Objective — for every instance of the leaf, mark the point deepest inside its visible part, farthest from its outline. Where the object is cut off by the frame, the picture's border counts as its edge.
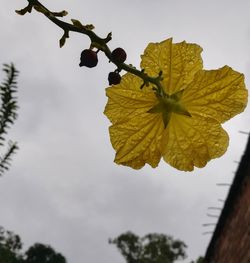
(76, 23)
(63, 38)
(6, 158)
(60, 14)
(62, 41)
(89, 27)
(178, 62)
(219, 94)
(21, 12)
(24, 10)
(189, 142)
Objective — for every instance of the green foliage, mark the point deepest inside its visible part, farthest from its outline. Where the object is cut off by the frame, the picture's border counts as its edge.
(10, 251)
(40, 253)
(199, 260)
(152, 248)
(10, 245)
(6, 256)
(9, 240)
(8, 113)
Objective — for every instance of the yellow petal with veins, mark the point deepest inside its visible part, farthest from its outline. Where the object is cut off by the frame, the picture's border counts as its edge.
(138, 140)
(127, 100)
(219, 94)
(179, 62)
(189, 142)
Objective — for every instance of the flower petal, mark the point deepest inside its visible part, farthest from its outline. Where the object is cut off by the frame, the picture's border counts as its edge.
(178, 62)
(190, 142)
(138, 140)
(127, 100)
(219, 94)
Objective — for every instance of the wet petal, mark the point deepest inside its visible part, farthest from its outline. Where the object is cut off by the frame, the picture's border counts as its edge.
(179, 63)
(194, 141)
(138, 140)
(219, 94)
(127, 100)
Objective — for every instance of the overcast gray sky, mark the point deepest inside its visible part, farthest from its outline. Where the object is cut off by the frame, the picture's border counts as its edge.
(63, 188)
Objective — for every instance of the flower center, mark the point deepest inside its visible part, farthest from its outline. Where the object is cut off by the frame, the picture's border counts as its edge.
(168, 104)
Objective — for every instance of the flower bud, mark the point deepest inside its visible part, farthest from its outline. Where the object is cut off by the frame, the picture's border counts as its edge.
(114, 78)
(118, 55)
(88, 58)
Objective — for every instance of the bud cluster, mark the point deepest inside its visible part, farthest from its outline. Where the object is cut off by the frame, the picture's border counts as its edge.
(89, 59)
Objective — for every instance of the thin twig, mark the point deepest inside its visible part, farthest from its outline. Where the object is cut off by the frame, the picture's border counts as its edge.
(96, 41)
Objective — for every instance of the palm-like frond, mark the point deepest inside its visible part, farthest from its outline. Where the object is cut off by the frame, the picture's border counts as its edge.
(8, 112)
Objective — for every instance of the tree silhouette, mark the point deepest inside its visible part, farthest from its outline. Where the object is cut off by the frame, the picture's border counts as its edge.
(10, 251)
(199, 260)
(10, 246)
(152, 248)
(40, 253)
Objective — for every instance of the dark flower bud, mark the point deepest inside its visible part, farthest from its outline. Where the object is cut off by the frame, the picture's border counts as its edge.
(88, 58)
(114, 78)
(119, 55)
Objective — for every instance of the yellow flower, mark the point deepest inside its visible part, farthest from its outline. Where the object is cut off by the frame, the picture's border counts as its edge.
(182, 121)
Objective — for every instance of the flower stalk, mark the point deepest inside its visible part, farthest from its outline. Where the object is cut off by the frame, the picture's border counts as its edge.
(96, 41)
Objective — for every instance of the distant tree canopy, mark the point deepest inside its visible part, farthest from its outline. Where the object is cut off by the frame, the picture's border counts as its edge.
(10, 251)
(10, 245)
(152, 248)
(40, 253)
(199, 260)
